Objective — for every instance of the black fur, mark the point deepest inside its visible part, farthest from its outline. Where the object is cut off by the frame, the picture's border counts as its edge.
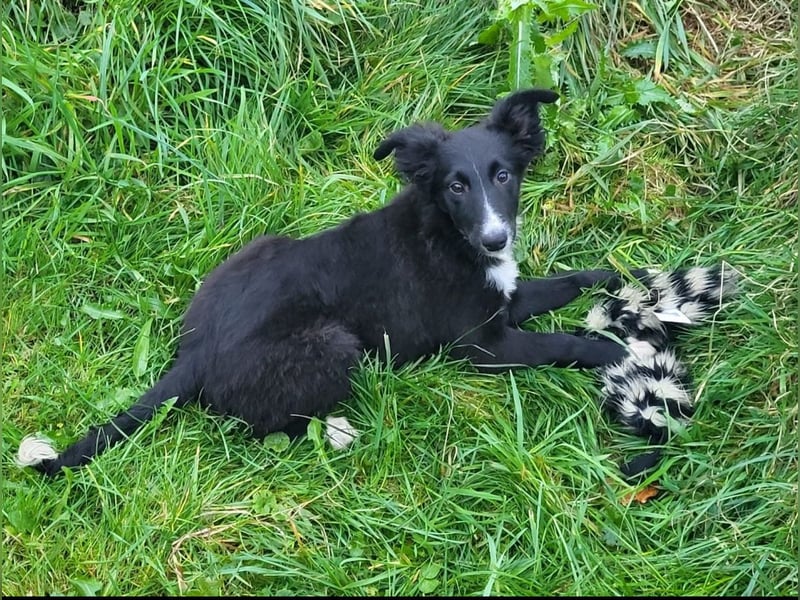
(272, 334)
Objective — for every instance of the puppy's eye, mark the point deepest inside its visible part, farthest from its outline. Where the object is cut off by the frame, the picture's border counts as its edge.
(457, 187)
(502, 176)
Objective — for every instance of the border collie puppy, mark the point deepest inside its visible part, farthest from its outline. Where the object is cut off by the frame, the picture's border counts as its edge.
(272, 334)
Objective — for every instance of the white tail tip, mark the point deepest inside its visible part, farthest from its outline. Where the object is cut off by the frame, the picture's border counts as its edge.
(35, 449)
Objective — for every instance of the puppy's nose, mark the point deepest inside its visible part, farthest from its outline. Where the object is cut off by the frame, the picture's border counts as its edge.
(494, 241)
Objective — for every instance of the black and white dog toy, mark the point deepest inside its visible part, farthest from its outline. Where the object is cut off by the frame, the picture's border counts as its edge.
(648, 391)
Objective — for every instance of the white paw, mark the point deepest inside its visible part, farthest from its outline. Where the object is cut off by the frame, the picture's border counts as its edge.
(339, 432)
(640, 349)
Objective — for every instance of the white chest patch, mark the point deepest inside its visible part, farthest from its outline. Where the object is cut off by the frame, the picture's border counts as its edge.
(503, 275)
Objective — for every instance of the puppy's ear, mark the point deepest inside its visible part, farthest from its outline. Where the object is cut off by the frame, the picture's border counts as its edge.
(414, 150)
(518, 116)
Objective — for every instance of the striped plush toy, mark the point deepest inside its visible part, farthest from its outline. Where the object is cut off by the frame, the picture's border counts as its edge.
(649, 390)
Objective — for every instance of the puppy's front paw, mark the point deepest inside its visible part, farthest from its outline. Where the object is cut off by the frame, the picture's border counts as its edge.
(619, 280)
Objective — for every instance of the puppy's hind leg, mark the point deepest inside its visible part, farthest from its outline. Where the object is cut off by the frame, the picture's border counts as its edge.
(338, 430)
(279, 384)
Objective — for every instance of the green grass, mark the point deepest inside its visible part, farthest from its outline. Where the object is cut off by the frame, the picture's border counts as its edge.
(143, 142)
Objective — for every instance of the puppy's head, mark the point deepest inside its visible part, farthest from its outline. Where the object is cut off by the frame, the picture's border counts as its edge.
(474, 174)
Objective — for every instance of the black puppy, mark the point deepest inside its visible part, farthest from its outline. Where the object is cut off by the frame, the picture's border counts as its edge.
(271, 335)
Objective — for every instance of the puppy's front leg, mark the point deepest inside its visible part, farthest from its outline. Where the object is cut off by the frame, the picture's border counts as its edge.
(516, 348)
(538, 296)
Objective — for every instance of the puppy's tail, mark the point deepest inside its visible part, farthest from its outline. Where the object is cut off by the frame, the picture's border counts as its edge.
(38, 452)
